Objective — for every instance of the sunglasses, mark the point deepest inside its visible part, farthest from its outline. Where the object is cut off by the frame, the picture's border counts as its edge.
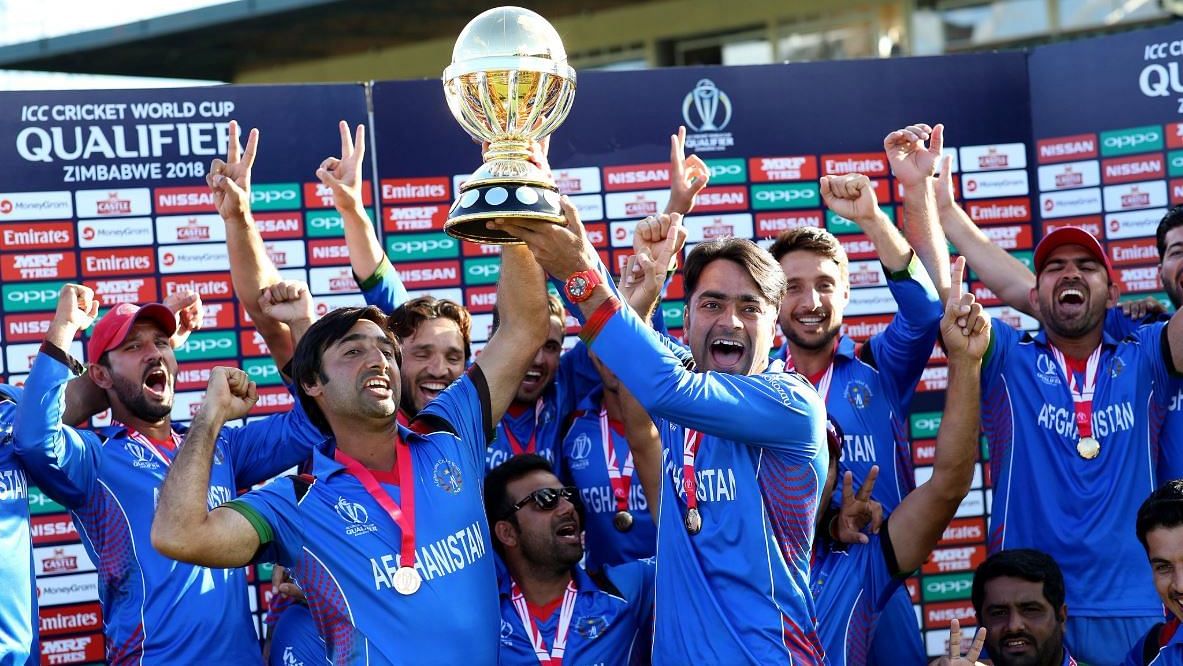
(546, 499)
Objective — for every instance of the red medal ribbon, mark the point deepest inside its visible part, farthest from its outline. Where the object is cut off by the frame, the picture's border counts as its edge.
(1082, 396)
(693, 439)
(546, 657)
(515, 445)
(621, 478)
(823, 383)
(405, 519)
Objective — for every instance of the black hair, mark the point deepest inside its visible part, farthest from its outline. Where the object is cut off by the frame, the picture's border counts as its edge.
(1164, 508)
(765, 272)
(498, 503)
(1170, 221)
(307, 367)
(406, 318)
(1024, 563)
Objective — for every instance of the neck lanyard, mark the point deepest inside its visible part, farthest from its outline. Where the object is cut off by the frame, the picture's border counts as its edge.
(693, 439)
(546, 657)
(406, 578)
(823, 385)
(621, 478)
(1082, 396)
(515, 445)
(145, 441)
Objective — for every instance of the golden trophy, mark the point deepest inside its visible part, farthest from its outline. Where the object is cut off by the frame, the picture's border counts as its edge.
(509, 85)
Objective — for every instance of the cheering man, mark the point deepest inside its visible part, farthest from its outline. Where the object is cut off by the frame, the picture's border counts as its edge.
(743, 443)
(387, 537)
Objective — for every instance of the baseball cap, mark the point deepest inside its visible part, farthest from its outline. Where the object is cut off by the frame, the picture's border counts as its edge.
(1069, 236)
(113, 328)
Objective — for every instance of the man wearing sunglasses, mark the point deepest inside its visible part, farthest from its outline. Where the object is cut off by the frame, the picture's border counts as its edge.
(745, 438)
(551, 607)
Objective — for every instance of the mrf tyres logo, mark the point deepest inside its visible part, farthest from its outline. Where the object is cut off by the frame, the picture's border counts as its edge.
(707, 111)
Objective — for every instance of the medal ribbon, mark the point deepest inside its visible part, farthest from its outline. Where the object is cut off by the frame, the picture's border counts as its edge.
(1082, 397)
(823, 385)
(144, 440)
(405, 519)
(621, 479)
(515, 445)
(689, 481)
(546, 657)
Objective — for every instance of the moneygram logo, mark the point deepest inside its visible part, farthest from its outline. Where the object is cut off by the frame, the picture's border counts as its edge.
(1132, 140)
(788, 195)
(31, 297)
(36, 206)
(421, 247)
(706, 108)
(281, 196)
(201, 346)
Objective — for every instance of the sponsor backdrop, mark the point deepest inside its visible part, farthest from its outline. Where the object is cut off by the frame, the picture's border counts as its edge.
(107, 188)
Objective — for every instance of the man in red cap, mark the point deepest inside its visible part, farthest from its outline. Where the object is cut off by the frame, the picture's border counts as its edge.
(156, 610)
(1073, 416)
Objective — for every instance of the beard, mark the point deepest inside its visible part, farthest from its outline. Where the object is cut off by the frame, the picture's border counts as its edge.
(131, 394)
(813, 344)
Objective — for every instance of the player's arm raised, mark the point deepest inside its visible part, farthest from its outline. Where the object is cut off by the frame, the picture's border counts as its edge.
(1007, 277)
(183, 528)
(913, 163)
(917, 523)
(251, 269)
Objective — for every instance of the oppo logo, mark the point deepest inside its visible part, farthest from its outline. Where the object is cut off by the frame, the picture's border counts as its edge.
(773, 196)
(1131, 140)
(948, 586)
(269, 196)
(326, 223)
(718, 170)
(422, 246)
(482, 270)
(34, 296)
(209, 344)
(262, 371)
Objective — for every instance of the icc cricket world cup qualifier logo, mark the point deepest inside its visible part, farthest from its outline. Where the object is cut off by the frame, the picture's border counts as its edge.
(706, 100)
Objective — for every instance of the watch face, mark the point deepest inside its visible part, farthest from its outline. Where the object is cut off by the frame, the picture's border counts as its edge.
(577, 287)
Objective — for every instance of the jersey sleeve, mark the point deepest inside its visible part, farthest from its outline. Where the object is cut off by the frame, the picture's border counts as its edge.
(901, 351)
(465, 405)
(268, 446)
(773, 410)
(577, 376)
(272, 511)
(384, 288)
(1156, 346)
(62, 461)
(1003, 336)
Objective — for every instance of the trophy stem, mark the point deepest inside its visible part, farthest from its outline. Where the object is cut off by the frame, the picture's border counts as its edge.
(508, 149)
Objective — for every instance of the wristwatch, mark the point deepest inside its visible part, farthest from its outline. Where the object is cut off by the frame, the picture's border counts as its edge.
(579, 287)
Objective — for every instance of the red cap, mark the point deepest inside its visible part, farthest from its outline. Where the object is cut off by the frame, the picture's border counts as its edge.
(1069, 236)
(113, 328)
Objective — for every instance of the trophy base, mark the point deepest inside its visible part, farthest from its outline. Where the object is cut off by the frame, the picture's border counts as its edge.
(484, 202)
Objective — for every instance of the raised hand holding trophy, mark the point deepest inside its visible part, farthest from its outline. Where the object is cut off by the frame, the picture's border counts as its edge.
(509, 85)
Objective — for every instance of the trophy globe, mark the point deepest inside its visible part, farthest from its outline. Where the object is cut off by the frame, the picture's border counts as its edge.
(508, 85)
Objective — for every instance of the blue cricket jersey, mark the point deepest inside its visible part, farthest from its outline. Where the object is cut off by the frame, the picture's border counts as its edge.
(18, 597)
(1170, 440)
(738, 591)
(1169, 653)
(871, 388)
(1046, 496)
(611, 622)
(343, 548)
(295, 640)
(585, 467)
(851, 585)
(156, 610)
(384, 289)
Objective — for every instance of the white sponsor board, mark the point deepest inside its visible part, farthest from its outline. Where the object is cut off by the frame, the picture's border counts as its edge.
(993, 158)
(990, 184)
(1071, 203)
(113, 203)
(36, 206)
(73, 589)
(1069, 175)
